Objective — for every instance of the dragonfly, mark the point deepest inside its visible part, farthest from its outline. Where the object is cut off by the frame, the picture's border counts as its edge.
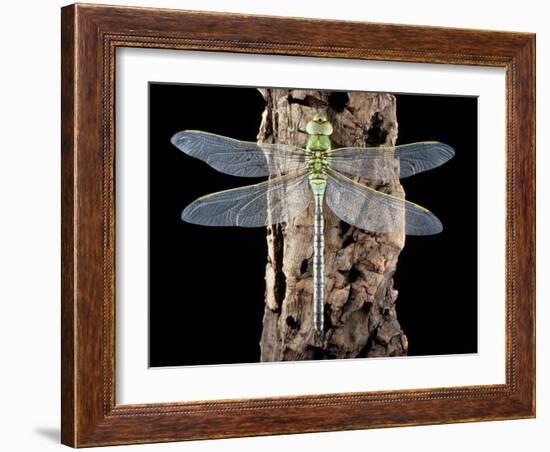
(316, 173)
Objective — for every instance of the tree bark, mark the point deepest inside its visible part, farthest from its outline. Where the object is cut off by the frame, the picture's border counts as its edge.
(360, 315)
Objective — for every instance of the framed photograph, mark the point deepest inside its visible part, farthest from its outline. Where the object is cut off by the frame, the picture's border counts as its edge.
(270, 230)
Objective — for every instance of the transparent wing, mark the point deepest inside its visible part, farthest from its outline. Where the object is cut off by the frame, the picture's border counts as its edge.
(240, 158)
(273, 201)
(375, 211)
(391, 162)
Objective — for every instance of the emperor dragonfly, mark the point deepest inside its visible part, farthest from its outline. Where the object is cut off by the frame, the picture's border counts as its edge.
(316, 172)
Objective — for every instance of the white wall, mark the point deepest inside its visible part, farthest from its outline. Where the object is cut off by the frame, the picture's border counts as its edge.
(29, 226)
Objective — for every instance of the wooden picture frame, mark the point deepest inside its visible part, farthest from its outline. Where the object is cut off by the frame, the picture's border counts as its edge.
(90, 36)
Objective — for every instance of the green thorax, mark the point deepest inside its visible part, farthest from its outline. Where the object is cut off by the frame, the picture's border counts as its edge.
(319, 130)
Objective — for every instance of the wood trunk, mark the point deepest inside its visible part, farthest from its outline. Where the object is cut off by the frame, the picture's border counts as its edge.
(360, 315)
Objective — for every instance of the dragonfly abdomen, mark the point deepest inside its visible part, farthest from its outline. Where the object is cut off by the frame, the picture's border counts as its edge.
(318, 264)
(318, 186)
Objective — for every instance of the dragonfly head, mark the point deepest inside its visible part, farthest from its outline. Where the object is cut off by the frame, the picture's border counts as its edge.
(319, 125)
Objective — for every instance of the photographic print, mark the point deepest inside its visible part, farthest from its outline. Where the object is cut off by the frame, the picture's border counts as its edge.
(295, 224)
(276, 233)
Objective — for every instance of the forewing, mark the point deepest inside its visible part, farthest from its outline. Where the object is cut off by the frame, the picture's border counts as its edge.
(375, 211)
(274, 201)
(240, 158)
(391, 162)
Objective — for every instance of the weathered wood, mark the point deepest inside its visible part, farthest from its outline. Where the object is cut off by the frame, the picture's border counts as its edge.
(360, 315)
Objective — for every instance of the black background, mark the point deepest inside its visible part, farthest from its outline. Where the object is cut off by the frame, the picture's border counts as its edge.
(206, 295)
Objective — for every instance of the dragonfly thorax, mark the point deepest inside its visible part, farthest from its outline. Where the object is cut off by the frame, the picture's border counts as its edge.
(318, 145)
